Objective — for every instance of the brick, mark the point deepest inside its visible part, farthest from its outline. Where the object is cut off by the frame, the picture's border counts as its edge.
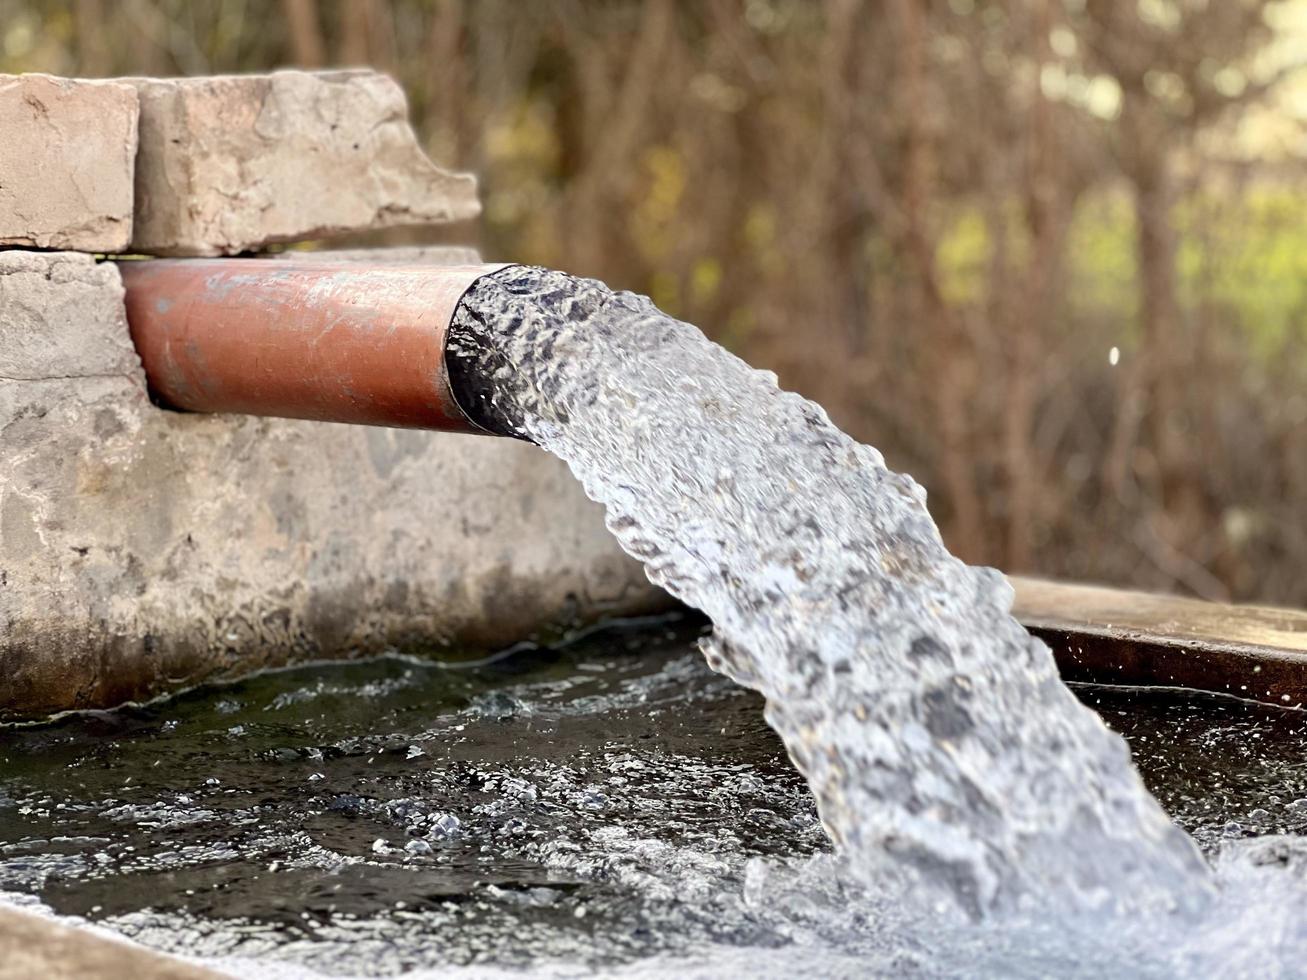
(66, 163)
(62, 317)
(233, 163)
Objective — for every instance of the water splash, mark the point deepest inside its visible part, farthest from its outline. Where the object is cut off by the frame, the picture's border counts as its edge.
(934, 732)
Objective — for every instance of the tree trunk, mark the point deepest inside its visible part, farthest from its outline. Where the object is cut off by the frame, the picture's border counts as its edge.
(947, 353)
(305, 33)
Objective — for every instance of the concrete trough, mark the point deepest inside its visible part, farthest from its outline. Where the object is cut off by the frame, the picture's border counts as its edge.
(1114, 636)
(144, 551)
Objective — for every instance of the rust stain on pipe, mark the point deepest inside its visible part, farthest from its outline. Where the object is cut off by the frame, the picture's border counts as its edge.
(337, 343)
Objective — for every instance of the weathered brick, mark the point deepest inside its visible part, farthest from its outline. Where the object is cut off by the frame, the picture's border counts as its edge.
(232, 163)
(66, 161)
(61, 318)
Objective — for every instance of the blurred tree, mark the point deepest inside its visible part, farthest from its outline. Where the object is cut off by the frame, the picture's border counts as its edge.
(1165, 57)
(307, 47)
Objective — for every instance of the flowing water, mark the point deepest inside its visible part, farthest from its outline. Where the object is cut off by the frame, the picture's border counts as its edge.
(946, 758)
(935, 733)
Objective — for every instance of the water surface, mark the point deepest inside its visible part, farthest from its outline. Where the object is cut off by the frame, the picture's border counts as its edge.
(612, 803)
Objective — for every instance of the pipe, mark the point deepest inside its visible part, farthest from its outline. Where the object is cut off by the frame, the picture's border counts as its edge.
(355, 342)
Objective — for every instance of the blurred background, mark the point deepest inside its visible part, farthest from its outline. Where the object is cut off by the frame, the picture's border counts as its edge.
(1049, 255)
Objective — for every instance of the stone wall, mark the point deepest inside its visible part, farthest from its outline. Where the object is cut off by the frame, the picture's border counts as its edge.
(213, 166)
(143, 550)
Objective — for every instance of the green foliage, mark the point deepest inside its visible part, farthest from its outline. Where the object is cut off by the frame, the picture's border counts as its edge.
(1101, 260)
(1245, 253)
(963, 255)
(1242, 256)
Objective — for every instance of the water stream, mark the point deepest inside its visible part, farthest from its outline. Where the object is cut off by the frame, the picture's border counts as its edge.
(941, 747)
(949, 765)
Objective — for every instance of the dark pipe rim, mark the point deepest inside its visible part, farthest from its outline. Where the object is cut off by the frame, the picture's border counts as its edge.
(468, 378)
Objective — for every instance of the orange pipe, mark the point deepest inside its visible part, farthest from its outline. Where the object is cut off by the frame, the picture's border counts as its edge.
(351, 342)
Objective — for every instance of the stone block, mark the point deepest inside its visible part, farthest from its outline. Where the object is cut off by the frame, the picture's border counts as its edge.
(233, 163)
(61, 318)
(66, 162)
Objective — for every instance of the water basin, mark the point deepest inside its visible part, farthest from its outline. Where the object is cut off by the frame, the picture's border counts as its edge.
(601, 802)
